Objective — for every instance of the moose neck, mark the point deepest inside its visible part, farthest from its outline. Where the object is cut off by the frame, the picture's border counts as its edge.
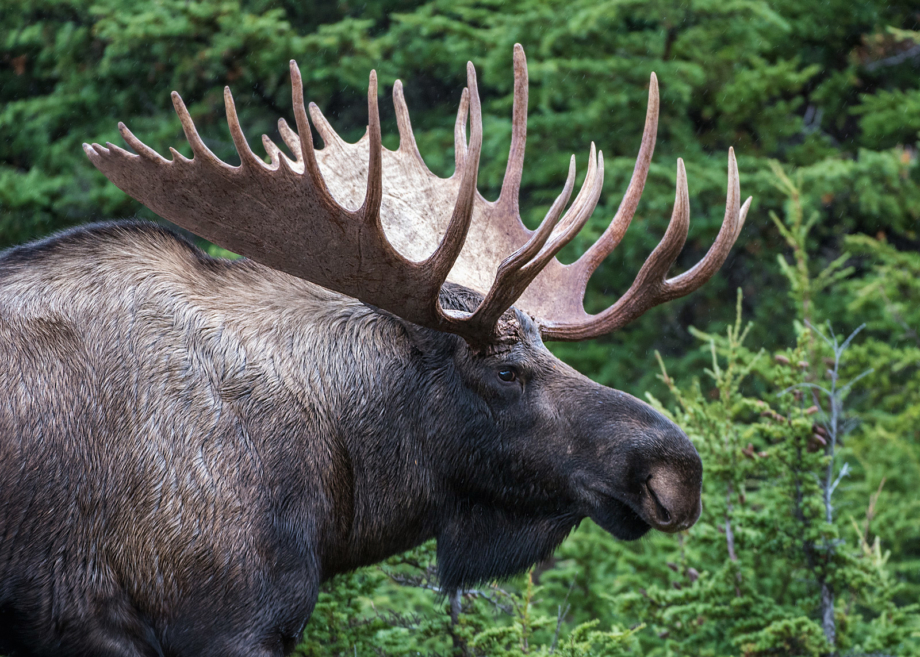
(392, 417)
(352, 371)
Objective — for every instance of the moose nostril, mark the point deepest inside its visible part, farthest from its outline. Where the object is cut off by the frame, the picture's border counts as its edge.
(664, 516)
(663, 512)
(672, 504)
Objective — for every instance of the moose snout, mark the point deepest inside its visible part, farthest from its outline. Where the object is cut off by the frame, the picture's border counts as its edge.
(671, 500)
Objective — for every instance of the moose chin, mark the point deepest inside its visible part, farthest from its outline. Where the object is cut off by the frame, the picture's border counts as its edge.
(190, 446)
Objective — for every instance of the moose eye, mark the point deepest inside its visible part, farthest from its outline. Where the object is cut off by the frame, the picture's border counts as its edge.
(507, 374)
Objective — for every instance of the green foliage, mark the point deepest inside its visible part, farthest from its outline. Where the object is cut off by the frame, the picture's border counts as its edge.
(398, 609)
(820, 101)
(769, 537)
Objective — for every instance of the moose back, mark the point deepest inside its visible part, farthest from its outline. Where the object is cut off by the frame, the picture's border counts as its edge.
(190, 446)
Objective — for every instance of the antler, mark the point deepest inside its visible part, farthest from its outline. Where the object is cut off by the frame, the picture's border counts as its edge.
(410, 230)
(651, 287)
(283, 215)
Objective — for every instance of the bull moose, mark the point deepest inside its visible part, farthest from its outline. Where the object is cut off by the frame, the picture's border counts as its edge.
(190, 446)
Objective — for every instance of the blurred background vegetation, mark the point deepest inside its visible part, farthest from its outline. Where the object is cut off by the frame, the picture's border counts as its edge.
(821, 101)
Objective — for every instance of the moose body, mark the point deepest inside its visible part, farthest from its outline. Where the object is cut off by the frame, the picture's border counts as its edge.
(190, 446)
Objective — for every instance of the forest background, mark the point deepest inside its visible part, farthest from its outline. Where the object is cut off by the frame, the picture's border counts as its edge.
(810, 542)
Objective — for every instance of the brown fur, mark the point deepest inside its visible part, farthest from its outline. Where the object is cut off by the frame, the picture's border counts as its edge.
(189, 446)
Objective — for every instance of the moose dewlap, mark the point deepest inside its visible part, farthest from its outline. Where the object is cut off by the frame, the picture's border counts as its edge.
(190, 446)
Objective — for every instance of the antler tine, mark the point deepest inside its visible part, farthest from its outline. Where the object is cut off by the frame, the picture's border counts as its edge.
(539, 237)
(329, 136)
(650, 281)
(139, 147)
(374, 195)
(199, 150)
(305, 137)
(406, 136)
(735, 215)
(273, 151)
(276, 154)
(291, 139)
(608, 241)
(511, 185)
(441, 261)
(581, 210)
(742, 215)
(460, 129)
(247, 157)
(109, 146)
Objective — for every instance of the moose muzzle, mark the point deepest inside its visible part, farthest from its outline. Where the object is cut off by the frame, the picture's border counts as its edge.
(671, 498)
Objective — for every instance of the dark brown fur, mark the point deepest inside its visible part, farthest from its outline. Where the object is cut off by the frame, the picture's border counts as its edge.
(190, 446)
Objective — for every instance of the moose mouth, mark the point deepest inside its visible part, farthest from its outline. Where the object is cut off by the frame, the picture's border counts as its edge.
(619, 518)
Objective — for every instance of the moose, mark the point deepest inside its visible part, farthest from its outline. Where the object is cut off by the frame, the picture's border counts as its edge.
(191, 446)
